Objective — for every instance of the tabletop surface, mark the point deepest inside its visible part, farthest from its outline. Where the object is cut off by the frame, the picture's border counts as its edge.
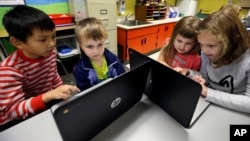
(145, 121)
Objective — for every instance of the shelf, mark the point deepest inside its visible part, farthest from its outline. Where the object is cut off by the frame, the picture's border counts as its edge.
(245, 4)
(149, 13)
(245, 7)
(65, 36)
(65, 27)
(70, 54)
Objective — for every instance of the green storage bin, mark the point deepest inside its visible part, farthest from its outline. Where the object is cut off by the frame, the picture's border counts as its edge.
(9, 48)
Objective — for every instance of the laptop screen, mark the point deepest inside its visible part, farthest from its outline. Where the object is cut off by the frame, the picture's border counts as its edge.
(88, 114)
(173, 92)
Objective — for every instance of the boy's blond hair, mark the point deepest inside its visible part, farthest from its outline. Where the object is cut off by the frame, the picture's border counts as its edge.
(90, 28)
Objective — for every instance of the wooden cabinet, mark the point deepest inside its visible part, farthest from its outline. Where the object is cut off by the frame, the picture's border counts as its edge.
(149, 13)
(165, 31)
(140, 39)
(144, 39)
(143, 44)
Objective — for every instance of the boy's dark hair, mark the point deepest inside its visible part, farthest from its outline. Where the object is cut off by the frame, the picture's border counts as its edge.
(22, 20)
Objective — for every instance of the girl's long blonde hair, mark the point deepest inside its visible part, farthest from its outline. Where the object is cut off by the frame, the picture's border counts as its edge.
(230, 32)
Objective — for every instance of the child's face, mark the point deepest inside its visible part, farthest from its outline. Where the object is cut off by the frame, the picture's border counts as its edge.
(209, 45)
(183, 45)
(41, 43)
(93, 49)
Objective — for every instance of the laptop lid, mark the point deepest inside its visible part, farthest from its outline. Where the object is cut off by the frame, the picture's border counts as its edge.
(136, 59)
(175, 93)
(83, 117)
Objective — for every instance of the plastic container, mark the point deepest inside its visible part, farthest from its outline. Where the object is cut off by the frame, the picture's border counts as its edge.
(64, 49)
(60, 19)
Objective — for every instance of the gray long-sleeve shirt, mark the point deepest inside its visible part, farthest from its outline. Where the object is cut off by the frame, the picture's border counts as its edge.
(229, 85)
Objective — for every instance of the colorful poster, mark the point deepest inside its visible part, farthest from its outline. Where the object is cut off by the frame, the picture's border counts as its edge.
(41, 2)
(11, 2)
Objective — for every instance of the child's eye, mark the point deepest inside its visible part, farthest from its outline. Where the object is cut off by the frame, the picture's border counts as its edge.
(89, 46)
(179, 41)
(42, 40)
(210, 46)
(100, 45)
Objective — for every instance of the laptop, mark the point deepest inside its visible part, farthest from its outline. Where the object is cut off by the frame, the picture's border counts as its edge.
(87, 113)
(175, 93)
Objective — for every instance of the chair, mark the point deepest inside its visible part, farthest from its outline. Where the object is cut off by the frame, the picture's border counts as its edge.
(65, 71)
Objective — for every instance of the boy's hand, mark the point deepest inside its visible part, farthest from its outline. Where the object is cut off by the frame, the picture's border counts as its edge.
(63, 92)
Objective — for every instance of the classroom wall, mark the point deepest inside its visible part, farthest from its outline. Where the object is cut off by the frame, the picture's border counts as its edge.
(60, 6)
(49, 7)
(213, 5)
(206, 5)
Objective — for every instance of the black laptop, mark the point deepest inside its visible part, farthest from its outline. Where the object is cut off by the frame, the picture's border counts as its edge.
(87, 113)
(175, 93)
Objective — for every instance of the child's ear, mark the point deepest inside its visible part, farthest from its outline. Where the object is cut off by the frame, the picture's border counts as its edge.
(16, 42)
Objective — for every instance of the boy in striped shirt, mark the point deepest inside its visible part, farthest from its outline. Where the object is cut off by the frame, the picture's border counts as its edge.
(29, 79)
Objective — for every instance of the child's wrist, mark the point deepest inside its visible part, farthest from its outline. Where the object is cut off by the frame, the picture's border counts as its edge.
(46, 97)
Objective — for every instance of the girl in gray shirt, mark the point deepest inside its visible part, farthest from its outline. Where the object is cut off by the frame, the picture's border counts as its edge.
(225, 70)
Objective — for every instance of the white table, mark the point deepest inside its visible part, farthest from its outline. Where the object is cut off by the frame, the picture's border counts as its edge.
(41, 127)
(147, 122)
(144, 122)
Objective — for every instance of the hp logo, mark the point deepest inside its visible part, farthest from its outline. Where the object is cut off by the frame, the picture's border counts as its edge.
(115, 102)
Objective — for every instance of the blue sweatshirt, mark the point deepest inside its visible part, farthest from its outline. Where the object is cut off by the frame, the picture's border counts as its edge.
(85, 75)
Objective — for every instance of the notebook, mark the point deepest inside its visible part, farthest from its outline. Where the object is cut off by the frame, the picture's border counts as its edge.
(87, 113)
(175, 93)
